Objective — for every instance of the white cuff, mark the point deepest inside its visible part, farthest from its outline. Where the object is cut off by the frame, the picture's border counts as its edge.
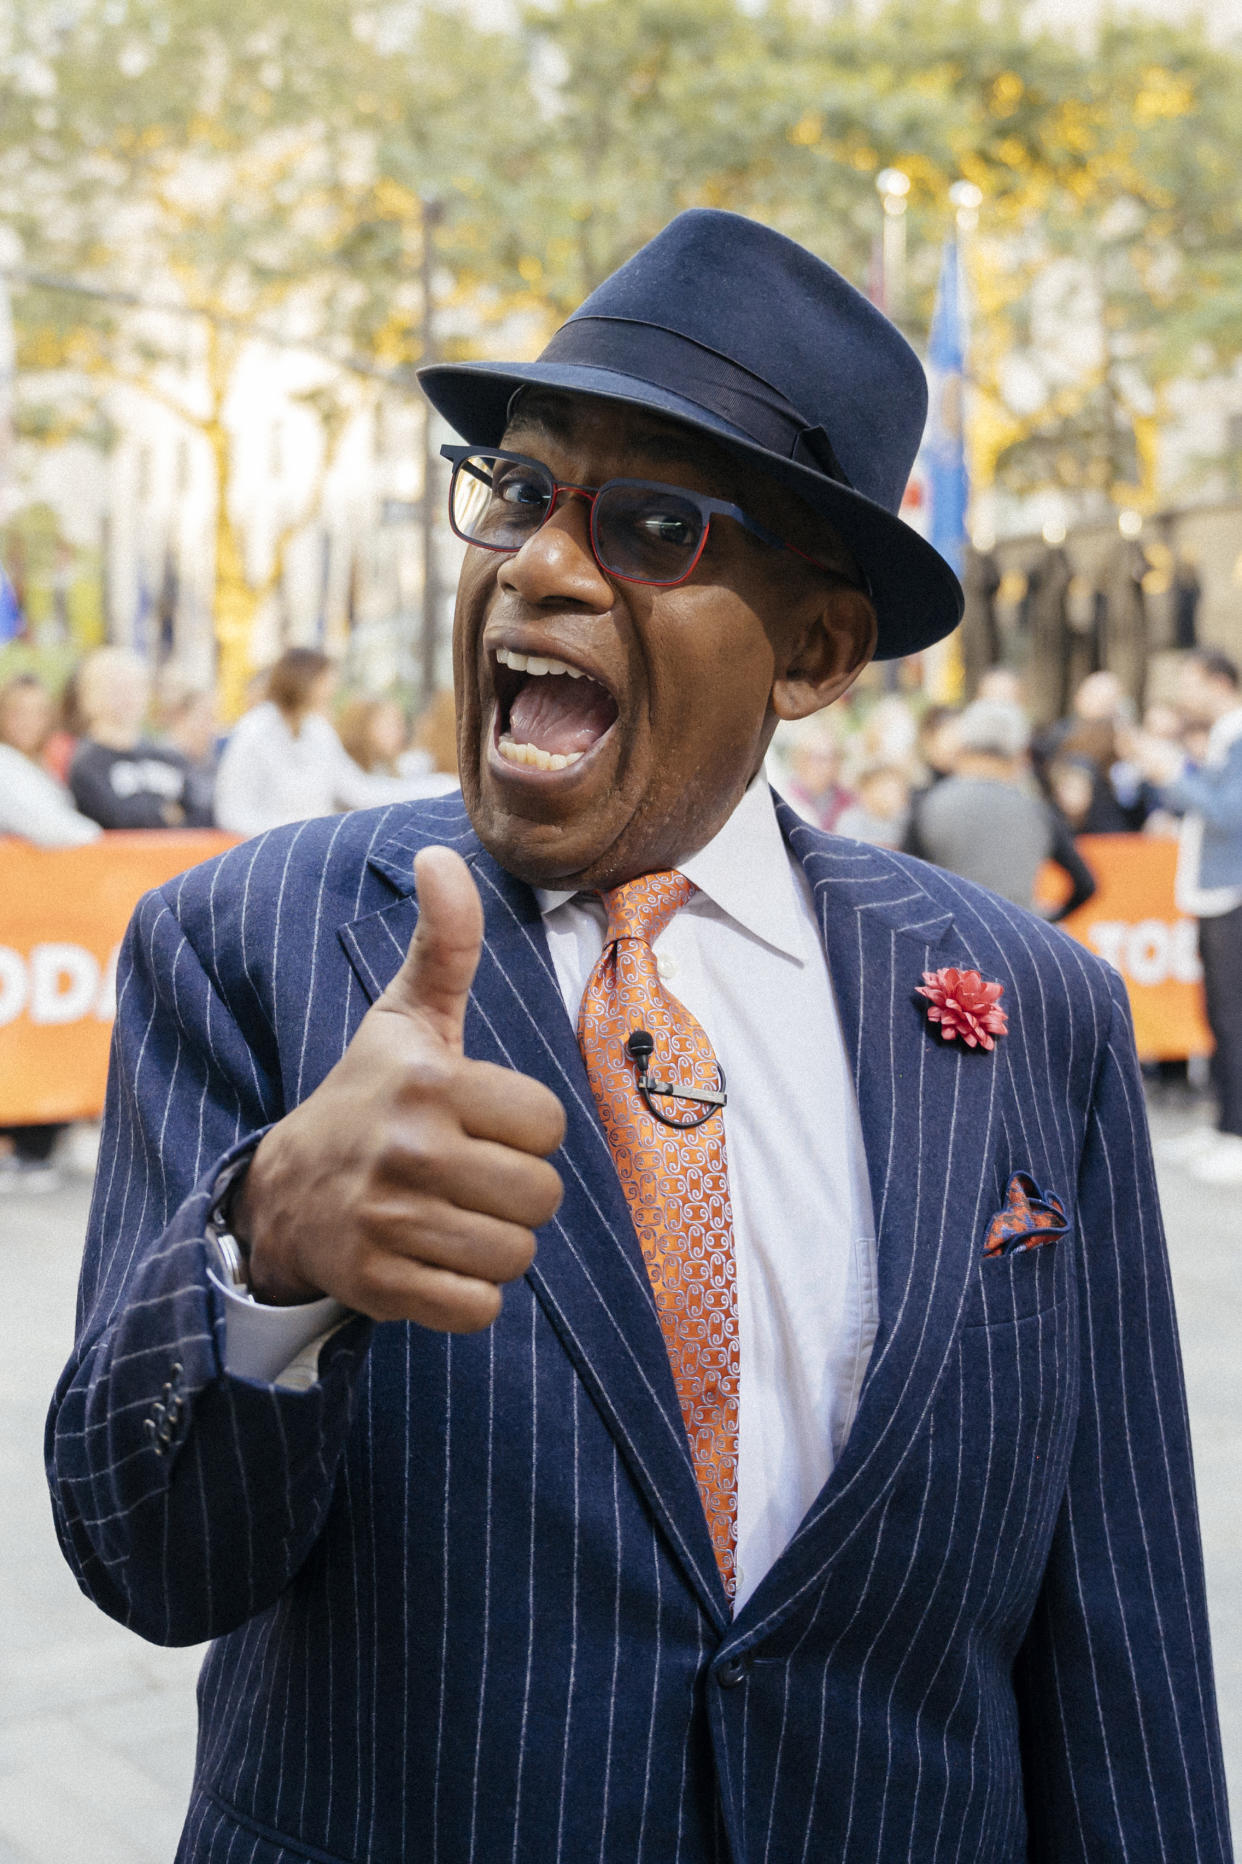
(276, 1345)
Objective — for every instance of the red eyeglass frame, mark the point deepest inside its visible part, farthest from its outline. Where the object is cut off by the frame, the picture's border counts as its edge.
(708, 508)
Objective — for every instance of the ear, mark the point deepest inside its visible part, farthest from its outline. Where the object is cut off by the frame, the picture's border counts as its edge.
(827, 655)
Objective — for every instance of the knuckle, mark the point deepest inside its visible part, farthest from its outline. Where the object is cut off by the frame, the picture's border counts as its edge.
(428, 1075)
(417, 1152)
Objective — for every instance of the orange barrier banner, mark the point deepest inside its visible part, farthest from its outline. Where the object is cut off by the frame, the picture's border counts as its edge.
(63, 912)
(1132, 921)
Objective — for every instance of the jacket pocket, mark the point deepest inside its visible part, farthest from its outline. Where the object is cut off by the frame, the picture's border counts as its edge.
(212, 1826)
(1017, 1285)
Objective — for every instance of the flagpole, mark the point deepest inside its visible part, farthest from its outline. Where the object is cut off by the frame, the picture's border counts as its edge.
(945, 448)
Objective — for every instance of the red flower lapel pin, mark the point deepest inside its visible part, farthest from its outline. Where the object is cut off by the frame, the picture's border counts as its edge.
(964, 1006)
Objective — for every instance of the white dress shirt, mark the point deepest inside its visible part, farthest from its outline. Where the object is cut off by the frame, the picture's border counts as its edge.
(745, 958)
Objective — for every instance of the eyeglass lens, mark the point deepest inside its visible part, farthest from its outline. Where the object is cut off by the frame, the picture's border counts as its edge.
(643, 533)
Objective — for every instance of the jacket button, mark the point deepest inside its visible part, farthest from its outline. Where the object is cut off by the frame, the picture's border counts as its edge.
(732, 1672)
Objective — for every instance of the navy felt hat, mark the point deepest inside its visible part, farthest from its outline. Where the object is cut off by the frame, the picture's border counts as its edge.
(737, 332)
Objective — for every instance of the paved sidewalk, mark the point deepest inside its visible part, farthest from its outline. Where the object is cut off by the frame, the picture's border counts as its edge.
(97, 1727)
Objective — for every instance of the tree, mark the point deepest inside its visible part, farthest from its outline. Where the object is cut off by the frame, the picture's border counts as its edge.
(271, 175)
(238, 181)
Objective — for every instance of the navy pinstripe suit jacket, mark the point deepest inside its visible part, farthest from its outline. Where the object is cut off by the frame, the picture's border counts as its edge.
(462, 1591)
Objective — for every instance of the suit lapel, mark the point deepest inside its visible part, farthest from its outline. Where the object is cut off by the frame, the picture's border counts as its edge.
(589, 1274)
(928, 1110)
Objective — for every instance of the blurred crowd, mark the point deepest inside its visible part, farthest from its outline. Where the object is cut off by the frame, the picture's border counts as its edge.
(982, 791)
(977, 789)
(117, 749)
(979, 792)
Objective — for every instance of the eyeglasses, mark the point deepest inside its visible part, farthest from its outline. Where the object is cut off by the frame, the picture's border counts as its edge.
(640, 532)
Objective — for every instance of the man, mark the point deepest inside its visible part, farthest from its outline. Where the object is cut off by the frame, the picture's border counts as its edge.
(819, 1488)
(986, 823)
(119, 778)
(1208, 797)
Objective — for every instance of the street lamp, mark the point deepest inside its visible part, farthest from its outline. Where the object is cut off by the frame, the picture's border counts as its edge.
(893, 185)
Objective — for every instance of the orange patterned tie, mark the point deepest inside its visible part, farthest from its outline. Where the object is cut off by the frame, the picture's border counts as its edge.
(676, 1183)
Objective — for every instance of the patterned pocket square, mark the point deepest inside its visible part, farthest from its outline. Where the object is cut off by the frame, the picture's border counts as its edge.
(1030, 1218)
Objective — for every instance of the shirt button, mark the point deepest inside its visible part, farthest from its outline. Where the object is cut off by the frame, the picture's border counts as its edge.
(666, 965)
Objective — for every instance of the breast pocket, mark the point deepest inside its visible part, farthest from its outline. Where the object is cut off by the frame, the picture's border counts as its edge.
(1016, 1286)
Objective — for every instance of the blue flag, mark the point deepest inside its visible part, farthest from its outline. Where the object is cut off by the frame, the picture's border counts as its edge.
(12, 621)
(944, 450)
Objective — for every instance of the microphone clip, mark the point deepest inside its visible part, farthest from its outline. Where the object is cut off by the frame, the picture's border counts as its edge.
(640, 1048)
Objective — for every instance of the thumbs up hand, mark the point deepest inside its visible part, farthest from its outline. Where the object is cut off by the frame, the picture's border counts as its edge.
(409, 1184)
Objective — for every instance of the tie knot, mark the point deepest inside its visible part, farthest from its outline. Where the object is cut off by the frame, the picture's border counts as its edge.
(642, 908)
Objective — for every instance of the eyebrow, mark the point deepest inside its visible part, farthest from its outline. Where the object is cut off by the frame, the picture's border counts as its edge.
(556, 422)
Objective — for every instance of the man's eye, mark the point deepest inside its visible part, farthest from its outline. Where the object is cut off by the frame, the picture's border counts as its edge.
(668, 527)
(518, 488)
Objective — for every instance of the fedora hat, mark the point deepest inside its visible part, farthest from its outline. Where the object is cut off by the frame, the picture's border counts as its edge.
(730, 328)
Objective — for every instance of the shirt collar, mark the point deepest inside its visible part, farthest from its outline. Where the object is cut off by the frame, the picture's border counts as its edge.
(745, 871)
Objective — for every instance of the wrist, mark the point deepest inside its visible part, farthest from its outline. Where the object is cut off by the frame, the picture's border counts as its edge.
(247, 1203)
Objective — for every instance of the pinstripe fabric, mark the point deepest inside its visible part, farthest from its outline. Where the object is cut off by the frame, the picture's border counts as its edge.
(462, 1591)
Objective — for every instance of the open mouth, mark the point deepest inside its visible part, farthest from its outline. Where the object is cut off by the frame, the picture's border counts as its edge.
(548, 714)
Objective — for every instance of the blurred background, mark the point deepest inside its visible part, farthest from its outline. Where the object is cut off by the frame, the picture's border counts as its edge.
(229, 234)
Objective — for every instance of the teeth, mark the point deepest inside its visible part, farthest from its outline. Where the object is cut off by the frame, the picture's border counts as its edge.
(532, 755)
(536, 663)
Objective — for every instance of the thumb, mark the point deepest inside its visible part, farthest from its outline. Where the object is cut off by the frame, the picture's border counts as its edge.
(434, 981)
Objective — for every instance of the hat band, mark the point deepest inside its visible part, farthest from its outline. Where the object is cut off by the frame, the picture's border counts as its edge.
(679, 365)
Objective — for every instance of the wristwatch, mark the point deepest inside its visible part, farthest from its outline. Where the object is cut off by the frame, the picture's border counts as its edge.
(232, 1254)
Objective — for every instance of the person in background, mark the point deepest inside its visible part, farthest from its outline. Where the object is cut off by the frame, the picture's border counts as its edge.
(1099, 733)
(375, 733)
(814, 787)
(285, 760)
(190, 726)
(1003, 685)
(433, 743)
(119, 777)
(36, 807)
(1070, 784)
(889, 734)
(62, 741)
(985, 823)
(32, 803)
(879, 815)
(1208, 796)
(939, 743)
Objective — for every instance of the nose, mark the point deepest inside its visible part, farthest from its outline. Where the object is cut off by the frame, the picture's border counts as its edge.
(557, 563)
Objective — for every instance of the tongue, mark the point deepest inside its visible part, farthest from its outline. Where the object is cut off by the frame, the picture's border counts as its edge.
(557, 713)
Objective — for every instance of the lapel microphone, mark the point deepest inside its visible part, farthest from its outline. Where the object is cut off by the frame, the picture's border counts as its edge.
(640, 1048)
